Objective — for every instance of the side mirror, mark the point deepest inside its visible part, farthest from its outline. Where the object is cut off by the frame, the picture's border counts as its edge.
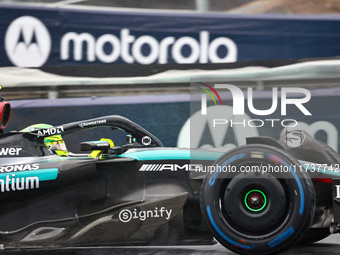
(117, 150)
(5, 114)
(103, 146)
(95, 145)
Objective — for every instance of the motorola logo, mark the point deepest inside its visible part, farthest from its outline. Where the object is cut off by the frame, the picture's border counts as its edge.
(27, 42)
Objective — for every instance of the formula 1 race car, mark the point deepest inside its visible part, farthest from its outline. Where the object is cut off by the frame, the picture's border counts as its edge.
(259, 198)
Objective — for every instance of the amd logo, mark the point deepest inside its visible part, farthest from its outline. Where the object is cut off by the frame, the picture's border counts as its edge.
(51, 131)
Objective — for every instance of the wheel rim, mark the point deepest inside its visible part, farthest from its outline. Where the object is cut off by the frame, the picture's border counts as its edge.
(255, 200)
(254, 205)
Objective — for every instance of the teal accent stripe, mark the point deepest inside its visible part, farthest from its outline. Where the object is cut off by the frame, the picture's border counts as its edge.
(172, 154)
(47, 174)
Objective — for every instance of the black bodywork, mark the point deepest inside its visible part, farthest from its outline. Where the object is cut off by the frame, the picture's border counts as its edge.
(143, 193)
(82, 205)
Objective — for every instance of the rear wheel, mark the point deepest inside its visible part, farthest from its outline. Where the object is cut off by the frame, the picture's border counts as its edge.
(260, 202)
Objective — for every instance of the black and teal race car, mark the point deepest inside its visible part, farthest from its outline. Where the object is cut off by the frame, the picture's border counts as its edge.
(259, 198)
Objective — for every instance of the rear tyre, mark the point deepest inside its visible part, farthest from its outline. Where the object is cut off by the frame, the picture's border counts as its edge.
(253, 212)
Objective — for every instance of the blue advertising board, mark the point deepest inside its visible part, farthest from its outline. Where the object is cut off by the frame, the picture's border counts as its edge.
(46, 36)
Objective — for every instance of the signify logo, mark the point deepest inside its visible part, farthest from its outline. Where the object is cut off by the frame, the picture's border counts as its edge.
(131, 49)
(239, 105)
(27, 42)
(127, 215)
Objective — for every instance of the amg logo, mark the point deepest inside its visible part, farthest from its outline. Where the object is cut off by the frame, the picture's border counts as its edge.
(51, 131)
(170, 167)
(10, 151)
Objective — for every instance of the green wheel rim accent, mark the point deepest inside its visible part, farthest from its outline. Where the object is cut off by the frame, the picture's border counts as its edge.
(264, 197)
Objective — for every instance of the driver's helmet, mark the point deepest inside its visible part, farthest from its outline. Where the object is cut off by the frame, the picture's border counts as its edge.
(54, 144)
